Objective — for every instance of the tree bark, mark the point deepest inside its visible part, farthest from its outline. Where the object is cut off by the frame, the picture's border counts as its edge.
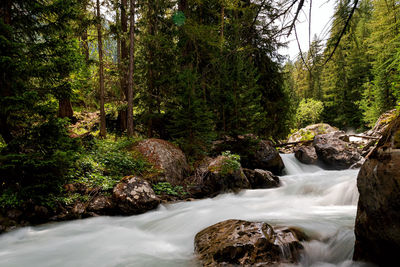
(122, 114)
(101, 74)
(5, 86)
(131, 69)
(65, 108)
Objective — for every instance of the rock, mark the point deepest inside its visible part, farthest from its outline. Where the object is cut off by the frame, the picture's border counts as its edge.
(134, 195)
(166, 157)
(310, 131)
(334, 152)
(306, 154)
(358, 164)
(377, 227)
(79, 209)
(254, 153)
(237, 242)
(216, 176)
(101, 205)
(261, 178)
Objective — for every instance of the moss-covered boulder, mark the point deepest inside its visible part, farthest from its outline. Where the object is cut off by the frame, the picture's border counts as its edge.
(309, 132)
(218, 175)
(254, 153)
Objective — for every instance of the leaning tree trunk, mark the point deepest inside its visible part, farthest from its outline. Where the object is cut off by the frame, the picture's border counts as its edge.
(101, 74)
(131, 70)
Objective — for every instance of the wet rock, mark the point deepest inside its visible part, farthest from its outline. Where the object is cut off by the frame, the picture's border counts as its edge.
(237, 242)
(334, 152)
(101, 205)
(377, 227)
(134, 195)
(306, 154)
(254, 153)
(261, 178)
(166, 157)
(215, 176)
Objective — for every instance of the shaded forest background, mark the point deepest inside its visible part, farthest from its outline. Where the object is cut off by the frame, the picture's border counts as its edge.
(188, 71)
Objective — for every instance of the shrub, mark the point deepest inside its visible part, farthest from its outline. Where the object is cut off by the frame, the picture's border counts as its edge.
(167, 188)
(231, 163)
(309, 112)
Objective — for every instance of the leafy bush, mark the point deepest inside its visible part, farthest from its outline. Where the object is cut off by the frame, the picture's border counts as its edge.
(106, 162)
(167, 188)
(231, 163)
(309, 112)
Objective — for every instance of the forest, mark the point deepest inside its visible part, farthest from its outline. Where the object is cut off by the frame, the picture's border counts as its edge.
(83, 81)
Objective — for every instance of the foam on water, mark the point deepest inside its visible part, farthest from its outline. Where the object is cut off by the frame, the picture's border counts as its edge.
(322, 203)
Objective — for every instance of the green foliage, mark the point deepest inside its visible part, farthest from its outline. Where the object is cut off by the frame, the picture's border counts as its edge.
(309, 112)
(230, 164)
(9, 199)
(106, 162)
(166, 188)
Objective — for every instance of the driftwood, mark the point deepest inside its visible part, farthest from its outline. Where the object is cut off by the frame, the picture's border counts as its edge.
(362, 136)
(310, 141)
(294, 143)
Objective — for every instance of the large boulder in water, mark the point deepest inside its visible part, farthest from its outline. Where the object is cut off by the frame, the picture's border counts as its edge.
(306, 154)
(218, 175)
(377, 227)
(167, 158)
(134, 195)
(334, 152)
(310, 131)
(261, 178)
(237, 242)
(254, 153)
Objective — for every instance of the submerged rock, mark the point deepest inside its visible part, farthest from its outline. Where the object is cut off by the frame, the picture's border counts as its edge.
(166, 157)
(334, 152)
(377, 227)
(134, 195)
(261, 178)
(237, 242)
(306, 154)
(254, 153)
(215, 176)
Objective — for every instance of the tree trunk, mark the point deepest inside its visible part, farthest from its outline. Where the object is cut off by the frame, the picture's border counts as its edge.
(101, 74)
(123, 70)
(150, 74)
(65, 108)
(5, 86)
(131, 70)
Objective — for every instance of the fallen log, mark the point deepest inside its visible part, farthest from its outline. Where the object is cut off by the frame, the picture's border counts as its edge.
(294, 143)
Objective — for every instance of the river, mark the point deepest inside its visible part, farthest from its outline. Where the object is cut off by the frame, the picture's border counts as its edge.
(322, 203)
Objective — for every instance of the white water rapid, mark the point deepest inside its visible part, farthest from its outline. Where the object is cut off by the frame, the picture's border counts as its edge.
(322, 203)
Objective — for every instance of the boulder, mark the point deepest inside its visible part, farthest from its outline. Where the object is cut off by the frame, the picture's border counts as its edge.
(377, 227)
(261, 179)
(215, 176)
(134, 195)
(237, 242)
(306, 154)
(101, 205)
(310, 131)
(167, 158)
(334, 152)
(254, 153)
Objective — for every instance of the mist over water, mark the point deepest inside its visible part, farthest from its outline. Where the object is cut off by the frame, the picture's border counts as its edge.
(320, 202)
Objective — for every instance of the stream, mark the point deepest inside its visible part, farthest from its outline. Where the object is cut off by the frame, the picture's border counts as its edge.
(320, 202)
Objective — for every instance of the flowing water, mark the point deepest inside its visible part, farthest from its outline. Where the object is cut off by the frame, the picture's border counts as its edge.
(322, 203)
